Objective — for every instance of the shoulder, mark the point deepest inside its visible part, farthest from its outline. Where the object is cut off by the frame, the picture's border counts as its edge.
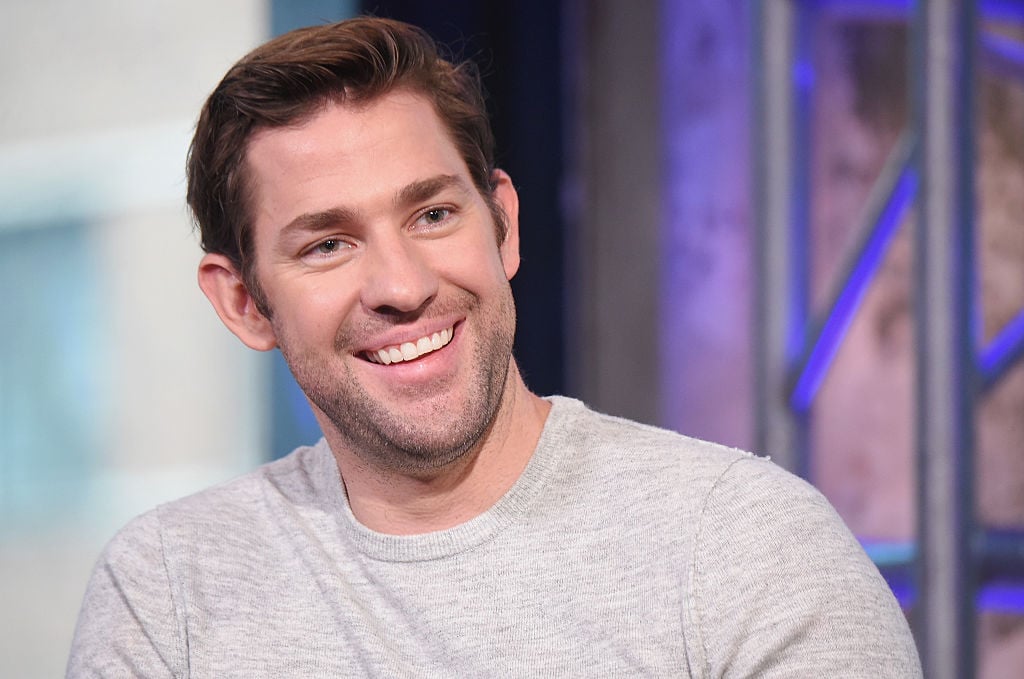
(636, 457)
(175, 559)
(771, 578)
(779, 581)
(673, 488)
(223, 515)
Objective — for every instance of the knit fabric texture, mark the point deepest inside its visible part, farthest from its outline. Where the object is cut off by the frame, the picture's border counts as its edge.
(622, 550)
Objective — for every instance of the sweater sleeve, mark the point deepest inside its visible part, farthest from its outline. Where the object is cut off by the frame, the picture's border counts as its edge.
(779, 587)
(128, 625)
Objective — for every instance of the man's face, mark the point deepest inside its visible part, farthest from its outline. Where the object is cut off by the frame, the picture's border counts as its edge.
(388, 290)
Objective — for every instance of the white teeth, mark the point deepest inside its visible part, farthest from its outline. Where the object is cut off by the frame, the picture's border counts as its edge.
(408, 351)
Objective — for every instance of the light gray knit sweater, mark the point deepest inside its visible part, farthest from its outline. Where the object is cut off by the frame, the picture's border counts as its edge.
(623, 550)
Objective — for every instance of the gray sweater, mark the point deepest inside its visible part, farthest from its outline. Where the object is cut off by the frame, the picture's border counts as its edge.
(622, 550)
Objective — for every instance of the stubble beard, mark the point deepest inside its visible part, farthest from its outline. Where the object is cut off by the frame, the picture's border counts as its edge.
(382, 436)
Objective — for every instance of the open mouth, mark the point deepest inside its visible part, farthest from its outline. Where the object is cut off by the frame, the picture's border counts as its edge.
(409, 351)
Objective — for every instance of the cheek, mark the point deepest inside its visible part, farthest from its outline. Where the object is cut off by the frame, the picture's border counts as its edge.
(473, 263)
(313, 311)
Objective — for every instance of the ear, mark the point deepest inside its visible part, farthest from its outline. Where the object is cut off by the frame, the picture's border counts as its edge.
(508, 200)
(223, 286)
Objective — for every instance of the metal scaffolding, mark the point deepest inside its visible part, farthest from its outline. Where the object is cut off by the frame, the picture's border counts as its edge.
(943, 102)
(931, 168)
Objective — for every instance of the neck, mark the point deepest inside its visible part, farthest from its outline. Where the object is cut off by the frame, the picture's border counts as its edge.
(404, 504)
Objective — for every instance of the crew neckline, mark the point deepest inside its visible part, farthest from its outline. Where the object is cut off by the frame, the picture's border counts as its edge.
(470, 534)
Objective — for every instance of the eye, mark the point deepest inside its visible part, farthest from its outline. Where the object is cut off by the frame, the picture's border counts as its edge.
(328, 247)
(434, 216)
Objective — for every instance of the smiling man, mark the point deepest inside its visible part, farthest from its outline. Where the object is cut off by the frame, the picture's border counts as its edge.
(450, 523)
(383, 274)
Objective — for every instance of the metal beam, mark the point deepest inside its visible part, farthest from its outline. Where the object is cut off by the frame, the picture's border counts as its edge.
(779, 306)
(943, 31)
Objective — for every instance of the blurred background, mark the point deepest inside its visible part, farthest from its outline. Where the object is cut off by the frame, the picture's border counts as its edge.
(792, 226)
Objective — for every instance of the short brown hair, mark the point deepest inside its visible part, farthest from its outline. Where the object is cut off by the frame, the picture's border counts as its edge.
(288, 80)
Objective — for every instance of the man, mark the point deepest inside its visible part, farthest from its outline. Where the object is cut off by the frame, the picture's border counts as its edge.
(450, 523)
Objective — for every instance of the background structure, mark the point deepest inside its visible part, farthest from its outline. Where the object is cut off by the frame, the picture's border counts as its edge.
(652, 286)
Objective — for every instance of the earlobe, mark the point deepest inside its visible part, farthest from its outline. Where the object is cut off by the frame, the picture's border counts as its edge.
(508, 201)
(231, 299)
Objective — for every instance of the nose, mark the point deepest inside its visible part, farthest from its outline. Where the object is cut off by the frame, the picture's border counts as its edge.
(399, 278)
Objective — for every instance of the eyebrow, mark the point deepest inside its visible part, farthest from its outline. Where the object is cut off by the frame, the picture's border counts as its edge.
(425, 189)
(314, 222)
(416, 192)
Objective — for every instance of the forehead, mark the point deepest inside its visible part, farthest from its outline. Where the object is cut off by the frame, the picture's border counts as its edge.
(353, 150)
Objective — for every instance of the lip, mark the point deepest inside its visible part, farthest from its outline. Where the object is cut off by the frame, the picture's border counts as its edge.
(428, 376)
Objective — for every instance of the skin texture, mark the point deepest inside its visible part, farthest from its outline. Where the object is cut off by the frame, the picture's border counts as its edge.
(370, 234)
